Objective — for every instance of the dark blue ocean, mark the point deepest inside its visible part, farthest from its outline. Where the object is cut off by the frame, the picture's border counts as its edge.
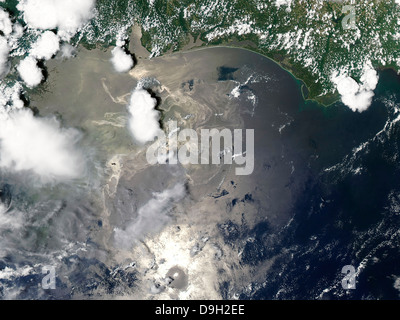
(326, 185)
(344, 203)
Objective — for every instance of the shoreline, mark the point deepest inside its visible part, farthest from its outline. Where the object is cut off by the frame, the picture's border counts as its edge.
(299, 80)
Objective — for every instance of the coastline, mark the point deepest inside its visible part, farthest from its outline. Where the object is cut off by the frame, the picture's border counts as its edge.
(301, 82)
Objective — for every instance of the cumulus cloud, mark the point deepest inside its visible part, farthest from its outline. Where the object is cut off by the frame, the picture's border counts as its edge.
(282, 2)
(67, 51)
(121, 61)
(40, 145)
(10, 220)
(4, 50)
(46, 46)
(143, 122)
(10, 98)
(67, 16)
(29, 71)
(5, 22)
(151, 217)
(357, 96)
(287, 3)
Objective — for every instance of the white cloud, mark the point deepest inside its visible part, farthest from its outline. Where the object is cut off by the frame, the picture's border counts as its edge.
(287, 3)
(151, 217)
(46, 46)
(121, 61)
(13, 38)
(40, 145)
(67, 51)
(18, 30)
(4, 51)
(279, 3)
(369, 78)
(5, 23)
(143, 122)
(10, 220)
(357, 96)
(67, 16)
(29, 71)
(396, 283)
(10, 96)
(10, 32)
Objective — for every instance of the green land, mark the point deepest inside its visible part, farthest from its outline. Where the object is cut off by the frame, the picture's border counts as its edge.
(306, 37)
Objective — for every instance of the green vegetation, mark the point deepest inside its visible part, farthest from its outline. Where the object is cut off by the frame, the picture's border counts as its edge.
(305, 36)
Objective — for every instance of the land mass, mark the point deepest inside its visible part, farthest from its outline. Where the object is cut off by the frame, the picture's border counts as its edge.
(307, 38)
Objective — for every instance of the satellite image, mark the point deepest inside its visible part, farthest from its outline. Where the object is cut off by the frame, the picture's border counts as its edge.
(199, 150)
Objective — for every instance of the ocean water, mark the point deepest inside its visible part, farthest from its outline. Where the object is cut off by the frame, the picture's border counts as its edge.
(337, 206)
(324, 192)
(345, 208)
